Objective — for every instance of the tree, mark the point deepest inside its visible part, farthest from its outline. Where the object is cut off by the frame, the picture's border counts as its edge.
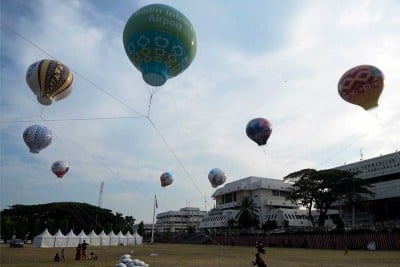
(129, 222)
(33, 219)
(140, 229)
(247, 216)
(320, 189)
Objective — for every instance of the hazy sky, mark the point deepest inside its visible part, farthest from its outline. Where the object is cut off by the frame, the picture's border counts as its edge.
(280, 60)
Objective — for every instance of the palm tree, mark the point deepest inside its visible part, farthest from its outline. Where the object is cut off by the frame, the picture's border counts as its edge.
(248, 213)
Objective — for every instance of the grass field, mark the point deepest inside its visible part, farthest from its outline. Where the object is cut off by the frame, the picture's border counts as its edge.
(201, 255)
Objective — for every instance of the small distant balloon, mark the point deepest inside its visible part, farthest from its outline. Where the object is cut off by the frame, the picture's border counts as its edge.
(166, 179)
(60, 168)
(160, 42)
(37, 137)
(362, 86)
(216, 177)
(49, 80)
(259, 130)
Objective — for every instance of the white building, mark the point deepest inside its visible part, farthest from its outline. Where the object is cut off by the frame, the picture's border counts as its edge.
(266, 193)
(175, 221)
(297, 218)
(383, 173)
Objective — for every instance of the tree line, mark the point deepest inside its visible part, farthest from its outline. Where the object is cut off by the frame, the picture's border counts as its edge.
(27, 221)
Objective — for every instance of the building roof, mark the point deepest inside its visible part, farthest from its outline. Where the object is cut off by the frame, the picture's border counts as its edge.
(382, 165)
(252, 183)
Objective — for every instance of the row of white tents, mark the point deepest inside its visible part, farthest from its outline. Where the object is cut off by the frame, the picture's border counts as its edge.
(47, 240)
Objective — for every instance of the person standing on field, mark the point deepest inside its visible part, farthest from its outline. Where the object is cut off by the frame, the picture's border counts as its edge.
(84, 247)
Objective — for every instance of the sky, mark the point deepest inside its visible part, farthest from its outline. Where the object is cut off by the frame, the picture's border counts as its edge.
(280, 60)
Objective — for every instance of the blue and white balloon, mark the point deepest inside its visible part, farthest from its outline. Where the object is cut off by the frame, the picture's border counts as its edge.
(166, 179)
(37, 137)
(216, 177)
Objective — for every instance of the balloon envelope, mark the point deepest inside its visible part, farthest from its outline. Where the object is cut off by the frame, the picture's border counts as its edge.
(49, 80)
(216, 177)
(259, 130)
(362, 85)
(37, 137)
(60, 168)
(160, 42)
(166, 179)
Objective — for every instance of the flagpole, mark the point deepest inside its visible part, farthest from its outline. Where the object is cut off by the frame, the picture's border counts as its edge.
(154, 214)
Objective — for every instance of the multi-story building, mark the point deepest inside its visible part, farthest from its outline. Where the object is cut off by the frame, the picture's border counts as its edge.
(175, 221)
(383, 173)
(266, 193)
(299, 218)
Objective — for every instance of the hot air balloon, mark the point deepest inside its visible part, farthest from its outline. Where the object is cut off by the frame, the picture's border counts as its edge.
(160, 42)
(166, 179)
(49, 80)
(216, 177)
(60, 168)
(37, 137)
(362, 85)
(259, 130)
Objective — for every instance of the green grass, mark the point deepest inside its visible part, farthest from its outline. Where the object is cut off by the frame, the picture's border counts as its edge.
(201, 256)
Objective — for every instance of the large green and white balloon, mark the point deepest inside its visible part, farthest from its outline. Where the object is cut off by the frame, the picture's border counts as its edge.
(160, 42)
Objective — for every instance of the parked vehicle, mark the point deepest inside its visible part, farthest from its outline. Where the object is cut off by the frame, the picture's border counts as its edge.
(17, 243)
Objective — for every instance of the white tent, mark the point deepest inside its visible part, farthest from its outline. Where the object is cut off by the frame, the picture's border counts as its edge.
(60, 240)
(94, 239)
(72, 239)
(82, 237)
(121, 239)
(104, 239)
(44, 240)
(130, 240)
(137, 239)
(113, 238)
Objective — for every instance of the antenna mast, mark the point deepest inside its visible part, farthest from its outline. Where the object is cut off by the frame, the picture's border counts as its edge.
(100, 194)
(99, 203)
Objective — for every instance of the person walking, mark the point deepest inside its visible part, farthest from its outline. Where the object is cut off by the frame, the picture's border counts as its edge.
(259, 262)
(62, 256)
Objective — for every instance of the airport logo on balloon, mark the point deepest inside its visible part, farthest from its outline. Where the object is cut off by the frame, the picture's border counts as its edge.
(160, 42)
(362, 85)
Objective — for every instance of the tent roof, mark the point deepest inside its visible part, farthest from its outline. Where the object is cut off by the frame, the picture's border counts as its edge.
(82, 234)
(112, 233)
(59, 233)
(128, 234)
(92, 233)
(103, 233)
(136, 234)
(71, 234)
(45, 233)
